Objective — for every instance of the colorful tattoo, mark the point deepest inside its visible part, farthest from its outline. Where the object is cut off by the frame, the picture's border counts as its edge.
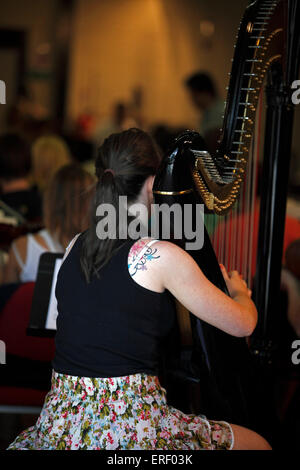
(134, 255)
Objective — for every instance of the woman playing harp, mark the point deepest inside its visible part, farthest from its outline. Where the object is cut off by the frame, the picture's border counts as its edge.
(115, 313)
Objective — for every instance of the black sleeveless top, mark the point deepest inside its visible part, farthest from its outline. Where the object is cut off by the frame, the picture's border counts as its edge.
(112, 326)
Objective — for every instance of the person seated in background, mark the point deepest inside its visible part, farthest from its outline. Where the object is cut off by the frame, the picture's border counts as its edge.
(15, 189)
(66, 212)
(205, 98)
(49, 153)
(119, 121)
(164, 135)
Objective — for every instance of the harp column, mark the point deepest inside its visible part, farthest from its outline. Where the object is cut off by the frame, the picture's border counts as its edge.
(275, 174)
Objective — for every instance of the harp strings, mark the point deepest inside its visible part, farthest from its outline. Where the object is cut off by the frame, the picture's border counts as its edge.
(234, 236)
(254, 191)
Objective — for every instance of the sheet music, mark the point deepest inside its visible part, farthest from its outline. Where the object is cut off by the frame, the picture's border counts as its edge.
(52, 309)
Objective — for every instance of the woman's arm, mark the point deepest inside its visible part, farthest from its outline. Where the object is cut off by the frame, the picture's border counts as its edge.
(179, 273)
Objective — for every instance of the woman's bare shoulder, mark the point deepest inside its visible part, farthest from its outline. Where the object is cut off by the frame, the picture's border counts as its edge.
(161, 248)
(21, 245)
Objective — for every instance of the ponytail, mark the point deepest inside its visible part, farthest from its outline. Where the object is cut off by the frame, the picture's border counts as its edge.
(124, 162)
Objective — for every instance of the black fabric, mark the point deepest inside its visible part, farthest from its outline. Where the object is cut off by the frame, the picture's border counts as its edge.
(6, 292)
(22, 372)
(111, 327)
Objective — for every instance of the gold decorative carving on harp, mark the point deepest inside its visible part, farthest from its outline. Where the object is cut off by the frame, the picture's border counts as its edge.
(220, 192)
(230, 182)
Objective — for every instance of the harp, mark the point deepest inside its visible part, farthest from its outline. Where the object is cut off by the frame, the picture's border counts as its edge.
(243, 231)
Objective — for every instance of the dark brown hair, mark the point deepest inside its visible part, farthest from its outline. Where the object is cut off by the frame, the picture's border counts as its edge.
(67, 202)
(132, 156)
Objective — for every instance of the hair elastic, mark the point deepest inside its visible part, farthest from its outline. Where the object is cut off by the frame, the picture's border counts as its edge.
(109, 170)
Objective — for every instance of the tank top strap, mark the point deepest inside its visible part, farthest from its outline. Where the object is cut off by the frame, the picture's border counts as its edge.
(53, 247)
(17, 255)
(31, 243)
(30, 267)
(132, 267)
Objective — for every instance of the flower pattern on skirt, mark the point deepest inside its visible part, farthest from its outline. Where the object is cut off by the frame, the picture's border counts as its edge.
(118, 414)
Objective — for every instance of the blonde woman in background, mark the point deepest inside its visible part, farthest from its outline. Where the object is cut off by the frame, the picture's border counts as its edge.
(66, 213)
(49, 153)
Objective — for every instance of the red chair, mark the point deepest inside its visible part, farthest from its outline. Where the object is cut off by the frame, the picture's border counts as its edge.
(14, 320)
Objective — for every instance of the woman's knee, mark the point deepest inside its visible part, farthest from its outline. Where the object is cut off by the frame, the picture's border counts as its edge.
(245, 439)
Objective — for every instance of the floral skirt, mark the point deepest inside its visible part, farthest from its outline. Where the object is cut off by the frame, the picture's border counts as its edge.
(117, 414)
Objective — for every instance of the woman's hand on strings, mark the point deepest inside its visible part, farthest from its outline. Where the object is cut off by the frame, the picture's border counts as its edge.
(235, 283)
(236, 316)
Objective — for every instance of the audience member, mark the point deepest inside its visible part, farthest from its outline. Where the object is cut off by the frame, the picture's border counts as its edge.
(49, 153)
(66, 213)
(204, 96)
(15, 188)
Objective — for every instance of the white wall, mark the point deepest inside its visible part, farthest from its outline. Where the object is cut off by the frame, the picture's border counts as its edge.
(119, 44)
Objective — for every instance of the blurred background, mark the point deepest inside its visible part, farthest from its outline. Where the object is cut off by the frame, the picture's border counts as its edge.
(76, 66)
(76, 58)
(76, 71)
(81, 67)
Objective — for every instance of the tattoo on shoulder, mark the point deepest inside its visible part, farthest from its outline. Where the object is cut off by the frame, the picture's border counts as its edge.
(141, 265)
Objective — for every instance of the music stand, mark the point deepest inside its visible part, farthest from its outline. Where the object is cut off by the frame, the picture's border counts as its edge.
(43, 313)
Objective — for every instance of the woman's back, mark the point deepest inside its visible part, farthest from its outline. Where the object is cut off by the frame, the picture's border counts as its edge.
(109, 327)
